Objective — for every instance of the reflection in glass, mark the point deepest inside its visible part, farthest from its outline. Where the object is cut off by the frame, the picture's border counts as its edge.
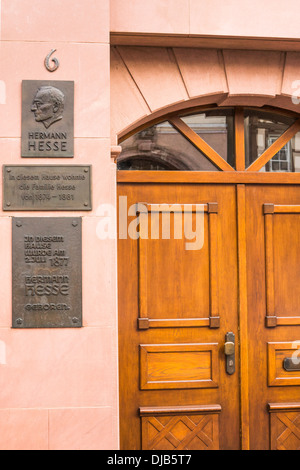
(295, 150)
(216, 127)
(262, 129)
(282, 161)
(161, 147)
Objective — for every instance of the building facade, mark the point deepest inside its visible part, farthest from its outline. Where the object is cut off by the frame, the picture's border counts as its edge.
(178, 102)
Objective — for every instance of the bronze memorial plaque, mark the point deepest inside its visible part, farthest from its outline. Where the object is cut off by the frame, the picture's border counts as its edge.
(46, 272)
(47, 187)
(47, 118)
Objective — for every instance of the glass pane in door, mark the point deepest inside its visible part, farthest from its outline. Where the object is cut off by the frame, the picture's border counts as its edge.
(262, 129)
(216, 127)
(162, 147)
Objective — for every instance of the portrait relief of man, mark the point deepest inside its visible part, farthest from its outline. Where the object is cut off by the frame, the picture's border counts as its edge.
(48, 105)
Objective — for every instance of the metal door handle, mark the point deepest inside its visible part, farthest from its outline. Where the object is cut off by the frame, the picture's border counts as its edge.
(290, 365)
(229, 350)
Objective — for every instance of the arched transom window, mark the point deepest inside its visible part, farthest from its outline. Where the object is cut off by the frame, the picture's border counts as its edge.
(220, 139)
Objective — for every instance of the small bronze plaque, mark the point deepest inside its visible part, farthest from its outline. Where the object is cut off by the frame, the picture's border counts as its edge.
(47, 187)
(46, 272)
(47, 119)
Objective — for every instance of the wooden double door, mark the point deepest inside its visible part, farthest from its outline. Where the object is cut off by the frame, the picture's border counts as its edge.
(209, 322)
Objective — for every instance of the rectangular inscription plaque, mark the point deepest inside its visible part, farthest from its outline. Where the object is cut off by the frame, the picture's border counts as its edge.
(47, 187)
(46, 272)
(47, 118)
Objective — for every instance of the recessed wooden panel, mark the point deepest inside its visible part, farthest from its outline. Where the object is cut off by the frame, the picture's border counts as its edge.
(178, 366)
(194, 275)
(285, 426)
(277, 375)
(282, 245)
(181, 428)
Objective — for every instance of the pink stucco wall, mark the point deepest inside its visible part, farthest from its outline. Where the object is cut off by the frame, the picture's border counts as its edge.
(58, 388)
(246, 18)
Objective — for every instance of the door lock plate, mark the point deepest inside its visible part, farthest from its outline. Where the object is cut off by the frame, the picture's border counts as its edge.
(229, 351)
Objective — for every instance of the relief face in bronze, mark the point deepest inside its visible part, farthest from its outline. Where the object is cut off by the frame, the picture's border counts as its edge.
(47, 119)
(48, 105)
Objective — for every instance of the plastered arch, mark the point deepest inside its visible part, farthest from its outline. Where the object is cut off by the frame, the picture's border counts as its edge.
(148, 82)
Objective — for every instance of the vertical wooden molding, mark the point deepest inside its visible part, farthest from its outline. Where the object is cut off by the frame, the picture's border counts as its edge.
(271, 320)
(239, 140)
(213, 265)
(143, 309)
(243, 317)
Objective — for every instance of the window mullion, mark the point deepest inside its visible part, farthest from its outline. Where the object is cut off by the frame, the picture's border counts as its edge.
(239, 140)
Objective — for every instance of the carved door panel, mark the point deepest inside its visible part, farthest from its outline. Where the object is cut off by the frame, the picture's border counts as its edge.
(178, 296)
(273, 266)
